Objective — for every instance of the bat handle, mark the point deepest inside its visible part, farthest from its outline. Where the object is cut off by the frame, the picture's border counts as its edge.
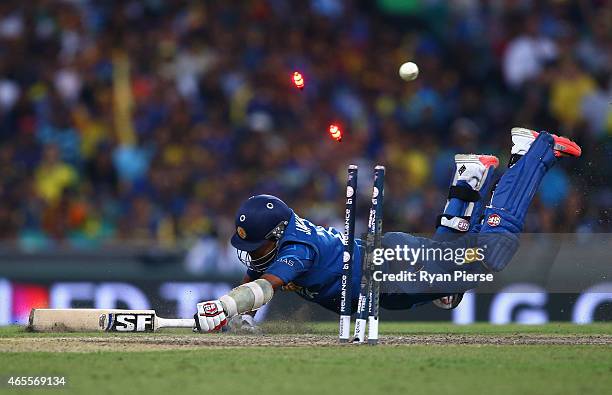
(176, 322)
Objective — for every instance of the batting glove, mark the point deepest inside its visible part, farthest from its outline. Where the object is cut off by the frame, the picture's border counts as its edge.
(210, 316)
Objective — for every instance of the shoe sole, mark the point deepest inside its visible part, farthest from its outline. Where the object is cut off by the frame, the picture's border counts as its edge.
(563, 145)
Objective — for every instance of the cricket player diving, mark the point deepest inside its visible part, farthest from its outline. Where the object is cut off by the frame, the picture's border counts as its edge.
(283, 251)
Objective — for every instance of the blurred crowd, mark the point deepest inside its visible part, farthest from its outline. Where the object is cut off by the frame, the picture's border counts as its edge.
(150, 121)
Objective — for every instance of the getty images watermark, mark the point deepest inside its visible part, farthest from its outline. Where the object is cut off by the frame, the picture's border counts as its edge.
(450, 260)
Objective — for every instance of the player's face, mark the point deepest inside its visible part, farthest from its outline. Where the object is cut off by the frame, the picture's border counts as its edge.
(263, 250)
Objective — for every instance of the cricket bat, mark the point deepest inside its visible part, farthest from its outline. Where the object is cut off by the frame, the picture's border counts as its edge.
(102, 320)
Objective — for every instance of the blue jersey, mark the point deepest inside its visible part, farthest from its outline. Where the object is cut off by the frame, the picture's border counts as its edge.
(310, 258)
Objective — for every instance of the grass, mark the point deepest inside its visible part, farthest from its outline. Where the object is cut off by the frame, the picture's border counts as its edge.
(416, 369)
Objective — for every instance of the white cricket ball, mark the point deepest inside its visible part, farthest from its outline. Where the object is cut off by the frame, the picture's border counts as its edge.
(409, 71)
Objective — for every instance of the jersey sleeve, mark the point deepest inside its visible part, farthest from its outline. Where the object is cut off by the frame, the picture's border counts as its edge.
(293, 260)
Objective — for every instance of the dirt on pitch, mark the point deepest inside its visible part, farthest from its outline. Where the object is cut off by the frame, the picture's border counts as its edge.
(150, 342)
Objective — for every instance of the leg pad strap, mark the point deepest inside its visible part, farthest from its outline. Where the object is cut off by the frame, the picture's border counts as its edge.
(464, 193)
(458, 223)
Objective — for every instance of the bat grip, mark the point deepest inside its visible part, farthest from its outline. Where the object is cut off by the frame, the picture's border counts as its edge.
(176, 322)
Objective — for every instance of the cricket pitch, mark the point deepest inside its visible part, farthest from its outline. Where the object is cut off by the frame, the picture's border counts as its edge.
(415, 358)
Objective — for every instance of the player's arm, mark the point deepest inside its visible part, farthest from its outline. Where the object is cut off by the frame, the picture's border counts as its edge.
(251, 296)
(275, 281)
(244, 321)
(292, 261)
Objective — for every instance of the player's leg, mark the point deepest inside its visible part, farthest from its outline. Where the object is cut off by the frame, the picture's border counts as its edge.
(533, 154)
(505, 245)
(467, 194)
(467, 191)
(532, 158)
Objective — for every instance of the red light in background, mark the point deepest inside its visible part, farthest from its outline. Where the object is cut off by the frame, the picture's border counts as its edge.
(298, 80)
(335, 132)
(27, 297)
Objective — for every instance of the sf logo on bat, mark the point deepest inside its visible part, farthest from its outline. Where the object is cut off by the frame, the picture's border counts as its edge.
(126, 322)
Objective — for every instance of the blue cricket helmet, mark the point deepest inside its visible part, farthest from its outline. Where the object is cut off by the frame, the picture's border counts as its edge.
(259, 219)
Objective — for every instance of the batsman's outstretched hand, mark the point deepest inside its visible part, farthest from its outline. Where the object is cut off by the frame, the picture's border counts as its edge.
(210, 316)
